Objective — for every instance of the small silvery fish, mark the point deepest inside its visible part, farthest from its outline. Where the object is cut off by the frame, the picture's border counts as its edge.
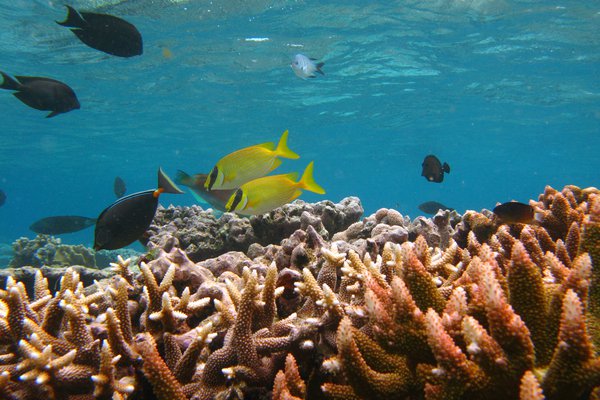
(42, 93)
(306, 67)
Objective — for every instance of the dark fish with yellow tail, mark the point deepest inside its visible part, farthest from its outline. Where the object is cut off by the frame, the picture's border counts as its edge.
(433, 170)
(126, 220)
(119, 187)
(247, 164)
(513, 212)
(43, 94)
(432, 207)
(61, 224)
(104, 32)
(264, 194)
(216, 198)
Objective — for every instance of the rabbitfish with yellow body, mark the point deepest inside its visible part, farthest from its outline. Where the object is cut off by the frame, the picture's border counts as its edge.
(267, 193)
(249, 163)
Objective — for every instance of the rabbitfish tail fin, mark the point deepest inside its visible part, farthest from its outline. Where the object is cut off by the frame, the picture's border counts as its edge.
(181, 178)
(9, 83)
(446, 168)
(308, 181)
(319, 66)
(74, 19)
(283, 150)
(166, 184)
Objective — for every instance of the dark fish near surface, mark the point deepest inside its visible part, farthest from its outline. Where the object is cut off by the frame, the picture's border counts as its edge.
(433, 170)
(514, 212)
(2, 197)
(126, 220)
(61, 224)
(216, 198)
(42, 93)
(105, 32)
(119, 187)
(432, 207)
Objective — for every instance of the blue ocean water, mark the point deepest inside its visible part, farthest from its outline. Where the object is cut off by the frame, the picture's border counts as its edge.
(507, 92)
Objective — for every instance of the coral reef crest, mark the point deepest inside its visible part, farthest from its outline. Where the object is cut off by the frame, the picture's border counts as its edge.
(386, 308)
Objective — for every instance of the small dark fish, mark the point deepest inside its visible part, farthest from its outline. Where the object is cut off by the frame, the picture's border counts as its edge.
(433, 170)
(42, 93)
(105, 32)
(61, 224)
(514, 212)
(2, 197)
(216, 198)
(119, 187)
(126, 220)
(432, 207)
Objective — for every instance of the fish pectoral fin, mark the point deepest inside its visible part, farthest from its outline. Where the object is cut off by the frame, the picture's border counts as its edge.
(53, 114)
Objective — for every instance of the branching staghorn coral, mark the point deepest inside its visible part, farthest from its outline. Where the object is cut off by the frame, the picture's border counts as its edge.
(500, 312)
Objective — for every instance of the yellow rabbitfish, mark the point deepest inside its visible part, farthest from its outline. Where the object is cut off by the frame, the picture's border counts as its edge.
(249, 163)
(267, 193)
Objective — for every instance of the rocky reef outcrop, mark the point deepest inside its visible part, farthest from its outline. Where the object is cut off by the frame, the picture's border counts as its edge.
(204, 235)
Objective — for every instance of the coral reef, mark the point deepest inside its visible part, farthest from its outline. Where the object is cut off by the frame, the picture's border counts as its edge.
(489, 311)
(202, 235)
(49, 250)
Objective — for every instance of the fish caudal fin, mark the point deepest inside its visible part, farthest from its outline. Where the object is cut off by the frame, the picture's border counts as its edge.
(283, 150)
(181, 178)
(73, 20)
(446, 168)
(319, 66)
(9, 83)
(166, 184)
(308, 181)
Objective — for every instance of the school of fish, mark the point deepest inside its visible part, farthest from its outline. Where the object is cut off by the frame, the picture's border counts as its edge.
(239, 182)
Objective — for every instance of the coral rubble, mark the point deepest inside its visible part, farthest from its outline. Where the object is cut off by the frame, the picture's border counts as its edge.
(383, 308)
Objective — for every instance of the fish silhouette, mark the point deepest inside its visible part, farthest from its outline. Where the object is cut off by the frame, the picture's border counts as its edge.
(119, 187)
(432, 207)
(61, 224)
(105, 32)
(42, 93)
(433, 170)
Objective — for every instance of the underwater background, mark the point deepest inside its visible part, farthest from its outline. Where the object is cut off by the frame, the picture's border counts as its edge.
(506, 92)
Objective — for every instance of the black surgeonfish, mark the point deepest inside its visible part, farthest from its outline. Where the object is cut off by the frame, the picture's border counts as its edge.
(513, 212)
(119, 187)
(105, 32)
(2, 197)
(433, 170)
(126, 220)
(42, 93)
(432, 207)
(216, 198)
(61, 224)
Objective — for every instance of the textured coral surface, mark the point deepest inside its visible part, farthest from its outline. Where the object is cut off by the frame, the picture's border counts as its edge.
(382, 308)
